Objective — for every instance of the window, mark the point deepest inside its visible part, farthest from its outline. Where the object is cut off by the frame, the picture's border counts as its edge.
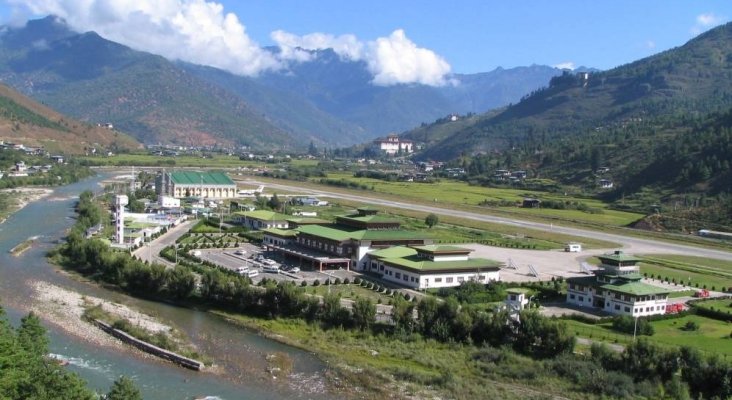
(617, 307)
(582, 298)
(627, 309)
(406, 277)
(381, 267)
(461, 279)
(513, 297)
(481, 277)
(438, 280)
(448, 280)
(571, 296)
(571, 286)
(398, 275)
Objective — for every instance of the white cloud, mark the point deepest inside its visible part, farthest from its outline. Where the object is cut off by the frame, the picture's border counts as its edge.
(396, 59)
(650, 44)
(291, 46)
(565, 65)
(705, 22)
(392, 60)
(199, 31)
(196, 31)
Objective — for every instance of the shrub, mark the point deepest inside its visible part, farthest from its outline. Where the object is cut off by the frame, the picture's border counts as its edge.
(690, 326)
(356, 280)
(316, 282)
(346, 281)
(303, 283)
(337, 281)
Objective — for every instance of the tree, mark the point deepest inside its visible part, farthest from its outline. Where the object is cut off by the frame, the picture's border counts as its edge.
(312, 150)
(364, 313)
(274, 202)
(431, 220)
(180, 282)
(32, 336)
(124, 389)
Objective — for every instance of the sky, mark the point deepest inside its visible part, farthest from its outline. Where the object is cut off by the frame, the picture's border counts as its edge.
(401, 41)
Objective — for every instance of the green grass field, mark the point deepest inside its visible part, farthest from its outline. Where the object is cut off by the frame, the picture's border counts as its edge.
(713, 336)
(697, 270)
(456, 192)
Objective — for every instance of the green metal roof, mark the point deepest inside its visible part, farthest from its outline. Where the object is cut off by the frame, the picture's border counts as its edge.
(618, 256)
(281, 232)
(421, 265)
(394, 252)
(326, 232)
(368, 219)
(198, 178)
(436, 248)
(308, 220)
(635, 288)
(264, 215)
(389, 234)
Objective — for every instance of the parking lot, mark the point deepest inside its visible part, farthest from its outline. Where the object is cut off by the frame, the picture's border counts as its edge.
(254, 258)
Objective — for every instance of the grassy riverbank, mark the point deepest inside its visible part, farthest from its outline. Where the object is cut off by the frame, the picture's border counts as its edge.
(413, 367)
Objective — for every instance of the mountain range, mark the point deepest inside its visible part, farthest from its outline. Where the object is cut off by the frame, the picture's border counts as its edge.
(692, 80)
(329, 101)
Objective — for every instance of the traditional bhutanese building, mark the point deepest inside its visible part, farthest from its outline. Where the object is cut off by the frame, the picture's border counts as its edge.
(431, 266)
(616, 288)
(181, 184)
(393, 145)
(343, 244)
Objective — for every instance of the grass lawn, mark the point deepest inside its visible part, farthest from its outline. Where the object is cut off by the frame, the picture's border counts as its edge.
(721, 304)
(713, 335)
(698, 270)
(351, 292)
(457, 192)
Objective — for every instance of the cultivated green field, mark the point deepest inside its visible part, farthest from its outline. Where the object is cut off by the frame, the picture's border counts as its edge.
(216, 161)
(455, 192)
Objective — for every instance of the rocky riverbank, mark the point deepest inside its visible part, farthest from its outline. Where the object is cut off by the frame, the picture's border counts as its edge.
(65, 309)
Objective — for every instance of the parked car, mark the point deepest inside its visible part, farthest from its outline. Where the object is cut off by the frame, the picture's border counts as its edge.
(295, 269)
(240, 252)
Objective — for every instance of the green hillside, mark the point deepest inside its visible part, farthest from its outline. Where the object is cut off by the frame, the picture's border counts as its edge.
(691, 80)
(97, 80)
(24, 121)
(661, 127)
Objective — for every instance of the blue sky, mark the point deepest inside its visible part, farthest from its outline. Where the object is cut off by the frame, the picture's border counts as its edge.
(402, 41)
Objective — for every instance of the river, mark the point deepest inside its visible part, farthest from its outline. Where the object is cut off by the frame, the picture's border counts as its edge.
(240, 353)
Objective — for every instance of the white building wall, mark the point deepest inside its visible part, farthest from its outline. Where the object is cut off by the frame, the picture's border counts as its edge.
(451, 258)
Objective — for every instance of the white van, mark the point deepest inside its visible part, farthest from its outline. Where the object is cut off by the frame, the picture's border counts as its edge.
(252, 273)
(274, 268)
(242, 270)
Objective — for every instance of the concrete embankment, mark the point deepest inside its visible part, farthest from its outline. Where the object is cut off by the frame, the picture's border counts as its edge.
(149, 348)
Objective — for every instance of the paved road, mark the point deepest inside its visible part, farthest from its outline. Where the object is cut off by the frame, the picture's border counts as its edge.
(151, 251)
(634, 244)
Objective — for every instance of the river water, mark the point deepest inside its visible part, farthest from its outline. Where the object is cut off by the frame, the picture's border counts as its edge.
(240, 353)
